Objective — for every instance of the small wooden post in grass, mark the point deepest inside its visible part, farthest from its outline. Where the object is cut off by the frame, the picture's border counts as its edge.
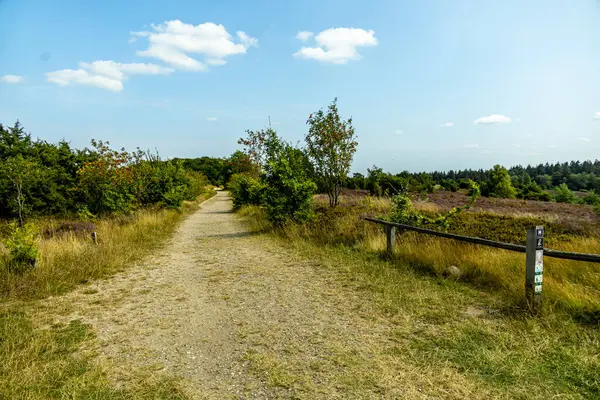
(534, 267)
(95, 237)
(390, 232)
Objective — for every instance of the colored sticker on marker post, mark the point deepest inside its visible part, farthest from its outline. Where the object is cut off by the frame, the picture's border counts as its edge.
(539, 278)
(539, 269)
(538, 288)
(539, 261)
(539, 243)
(540, 232)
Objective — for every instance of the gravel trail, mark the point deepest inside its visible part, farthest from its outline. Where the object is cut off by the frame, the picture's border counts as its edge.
(237, 315)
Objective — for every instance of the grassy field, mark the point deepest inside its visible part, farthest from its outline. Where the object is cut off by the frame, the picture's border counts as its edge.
(569, 286)
(43, 362)
(469, 339)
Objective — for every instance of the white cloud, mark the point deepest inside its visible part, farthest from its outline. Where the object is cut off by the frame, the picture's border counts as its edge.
(118, 71)
(399, 132)
(597, 115)
(584, 139)
(516, 145)
(211, 119)
(338, 45)
(471, 146)
(447, 125)
(104, 74)
(174, 41)
(66, 77)
(246, 39)
(492, 119)
(552, 146)
(12, 79)
(304, 35)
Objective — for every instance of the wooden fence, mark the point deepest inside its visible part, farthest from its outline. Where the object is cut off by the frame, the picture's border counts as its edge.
(534, 251)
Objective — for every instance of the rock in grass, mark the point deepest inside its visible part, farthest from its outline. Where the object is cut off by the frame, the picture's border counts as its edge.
(77, 228)
(452, 272)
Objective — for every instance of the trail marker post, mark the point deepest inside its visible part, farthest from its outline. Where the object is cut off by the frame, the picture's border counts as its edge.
(534, 271)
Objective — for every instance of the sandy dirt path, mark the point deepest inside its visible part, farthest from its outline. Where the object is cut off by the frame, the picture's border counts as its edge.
(236, 315)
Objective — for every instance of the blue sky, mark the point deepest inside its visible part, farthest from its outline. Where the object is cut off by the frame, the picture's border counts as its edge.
(429, 84)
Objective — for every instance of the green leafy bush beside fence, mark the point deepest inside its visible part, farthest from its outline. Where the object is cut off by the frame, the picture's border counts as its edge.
(282, 186)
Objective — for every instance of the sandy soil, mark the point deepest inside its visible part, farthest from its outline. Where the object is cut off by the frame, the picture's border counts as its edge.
(237, 315)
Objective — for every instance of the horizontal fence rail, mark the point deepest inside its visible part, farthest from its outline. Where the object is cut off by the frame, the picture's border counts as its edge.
(595, 258)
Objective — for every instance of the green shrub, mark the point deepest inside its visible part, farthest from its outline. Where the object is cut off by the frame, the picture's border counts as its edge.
(592, 199)
(449, 184)
(391, 184)
(22, 248)
(539, 196)
(291, 199)
(532, 191)
(284, 188)
(288, 190)
(564, 194)
(84, 214)
(404, 213)
(195, 184)
(465, 183)
(500, 184)
(173, 199)
(245, 190)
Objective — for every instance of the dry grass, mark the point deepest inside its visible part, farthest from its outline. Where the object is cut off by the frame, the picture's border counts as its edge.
(569, 286)
(70, 260)
(426, 206)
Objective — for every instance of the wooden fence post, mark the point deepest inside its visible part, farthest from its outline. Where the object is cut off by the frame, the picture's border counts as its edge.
(94, 237)
(534, 267)
(390, 232)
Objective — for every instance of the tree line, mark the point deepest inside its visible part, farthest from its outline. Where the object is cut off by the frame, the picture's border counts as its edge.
(42, 178)
(576, 175)
(545, 182)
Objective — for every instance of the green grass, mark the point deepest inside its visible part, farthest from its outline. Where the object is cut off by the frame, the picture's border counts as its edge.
(47, 363)
(456, 339)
